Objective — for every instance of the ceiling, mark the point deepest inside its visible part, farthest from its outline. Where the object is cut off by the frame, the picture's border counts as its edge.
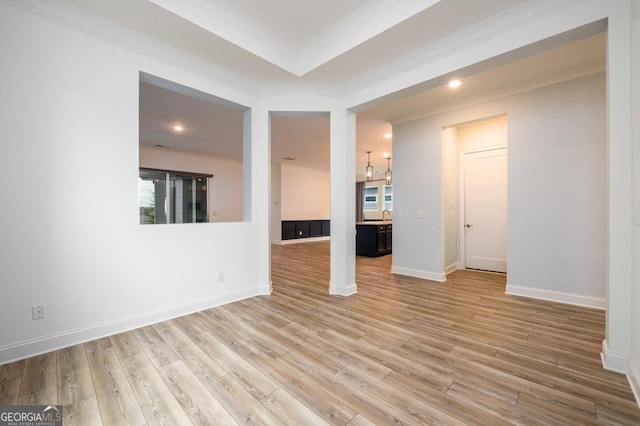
(332, 43)
(324, 42)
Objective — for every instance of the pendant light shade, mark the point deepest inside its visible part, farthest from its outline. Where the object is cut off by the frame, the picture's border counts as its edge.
(369, 168)
(387, 174)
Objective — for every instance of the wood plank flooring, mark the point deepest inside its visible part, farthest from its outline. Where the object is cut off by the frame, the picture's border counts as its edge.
(401, 351)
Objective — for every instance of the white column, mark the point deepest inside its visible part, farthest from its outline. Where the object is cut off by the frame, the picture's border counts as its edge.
(343, 224)
(256, 128)
(616, 348)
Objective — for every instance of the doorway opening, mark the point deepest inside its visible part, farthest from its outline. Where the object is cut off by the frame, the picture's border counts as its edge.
(300, 189)
(475, 182)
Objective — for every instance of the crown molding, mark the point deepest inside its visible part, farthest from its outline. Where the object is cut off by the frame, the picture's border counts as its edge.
(217, 17)
(267, 90)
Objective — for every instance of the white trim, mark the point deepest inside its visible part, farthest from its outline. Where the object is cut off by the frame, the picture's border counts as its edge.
(301, 240)
(634, 381)
(343, 290)
(33, 347)
(612, 361)
(427, 275)
(557, 296)
(450, 268)
(266, 290)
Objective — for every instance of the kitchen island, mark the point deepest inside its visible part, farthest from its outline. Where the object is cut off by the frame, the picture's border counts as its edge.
(374, 238)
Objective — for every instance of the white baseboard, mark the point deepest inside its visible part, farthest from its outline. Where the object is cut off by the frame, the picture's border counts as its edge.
(450, 268)
(557, 296)
(266, 289)
(634, 381)
(302, 240)
(427, 275)
(343, 290)
(41, 345)
(613, 361)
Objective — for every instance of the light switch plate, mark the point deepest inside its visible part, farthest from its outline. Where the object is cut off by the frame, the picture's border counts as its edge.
(423, 213)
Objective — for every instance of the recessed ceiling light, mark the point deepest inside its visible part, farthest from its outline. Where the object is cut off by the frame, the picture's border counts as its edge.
(455, 83)
(178, 128)
(388, 135)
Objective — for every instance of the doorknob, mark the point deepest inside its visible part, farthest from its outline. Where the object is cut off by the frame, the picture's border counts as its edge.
(468, 226)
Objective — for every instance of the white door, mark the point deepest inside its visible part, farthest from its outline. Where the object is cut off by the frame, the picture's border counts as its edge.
(485, 210)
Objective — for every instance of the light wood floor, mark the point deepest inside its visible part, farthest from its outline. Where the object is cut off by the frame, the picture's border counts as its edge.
(401, 351)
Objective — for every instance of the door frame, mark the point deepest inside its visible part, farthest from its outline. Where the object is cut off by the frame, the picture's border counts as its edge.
(462, 244)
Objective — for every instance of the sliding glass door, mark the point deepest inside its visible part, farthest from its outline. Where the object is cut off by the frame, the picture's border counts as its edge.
(173, 197)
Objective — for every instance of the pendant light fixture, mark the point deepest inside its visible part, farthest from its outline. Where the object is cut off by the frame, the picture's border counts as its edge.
(387, 174)
(369, 168)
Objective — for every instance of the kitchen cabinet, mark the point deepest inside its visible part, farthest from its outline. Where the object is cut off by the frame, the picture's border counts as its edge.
(293, 229)
(374, 238)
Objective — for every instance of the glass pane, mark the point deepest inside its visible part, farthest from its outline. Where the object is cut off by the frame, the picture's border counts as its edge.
(370, 198)
(388, 197)
(152, 197)
(201, 211)
(188, 199)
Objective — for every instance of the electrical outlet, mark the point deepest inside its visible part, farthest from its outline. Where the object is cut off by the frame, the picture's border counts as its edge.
(37, 312)
(220, 277)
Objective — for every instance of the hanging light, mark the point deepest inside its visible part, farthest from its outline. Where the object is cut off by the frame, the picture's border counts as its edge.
(369, 168)
(387, 174)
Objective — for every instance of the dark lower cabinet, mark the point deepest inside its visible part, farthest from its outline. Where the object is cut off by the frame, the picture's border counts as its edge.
(292, 229)
(374, 239)
(302, 229)
(288, 230)
(326, 227)
(315, 228)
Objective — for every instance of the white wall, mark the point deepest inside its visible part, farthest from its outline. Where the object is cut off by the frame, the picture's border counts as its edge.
(557, 178)
(557, 189)
(275, 201)
(76, 244)
(467, 137)
(450, 199)
(482, 134)
(417, 187)
(634, 364)
(225, 200)
(305, 193)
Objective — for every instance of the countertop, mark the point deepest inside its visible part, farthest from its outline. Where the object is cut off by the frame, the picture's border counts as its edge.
(375, 222)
